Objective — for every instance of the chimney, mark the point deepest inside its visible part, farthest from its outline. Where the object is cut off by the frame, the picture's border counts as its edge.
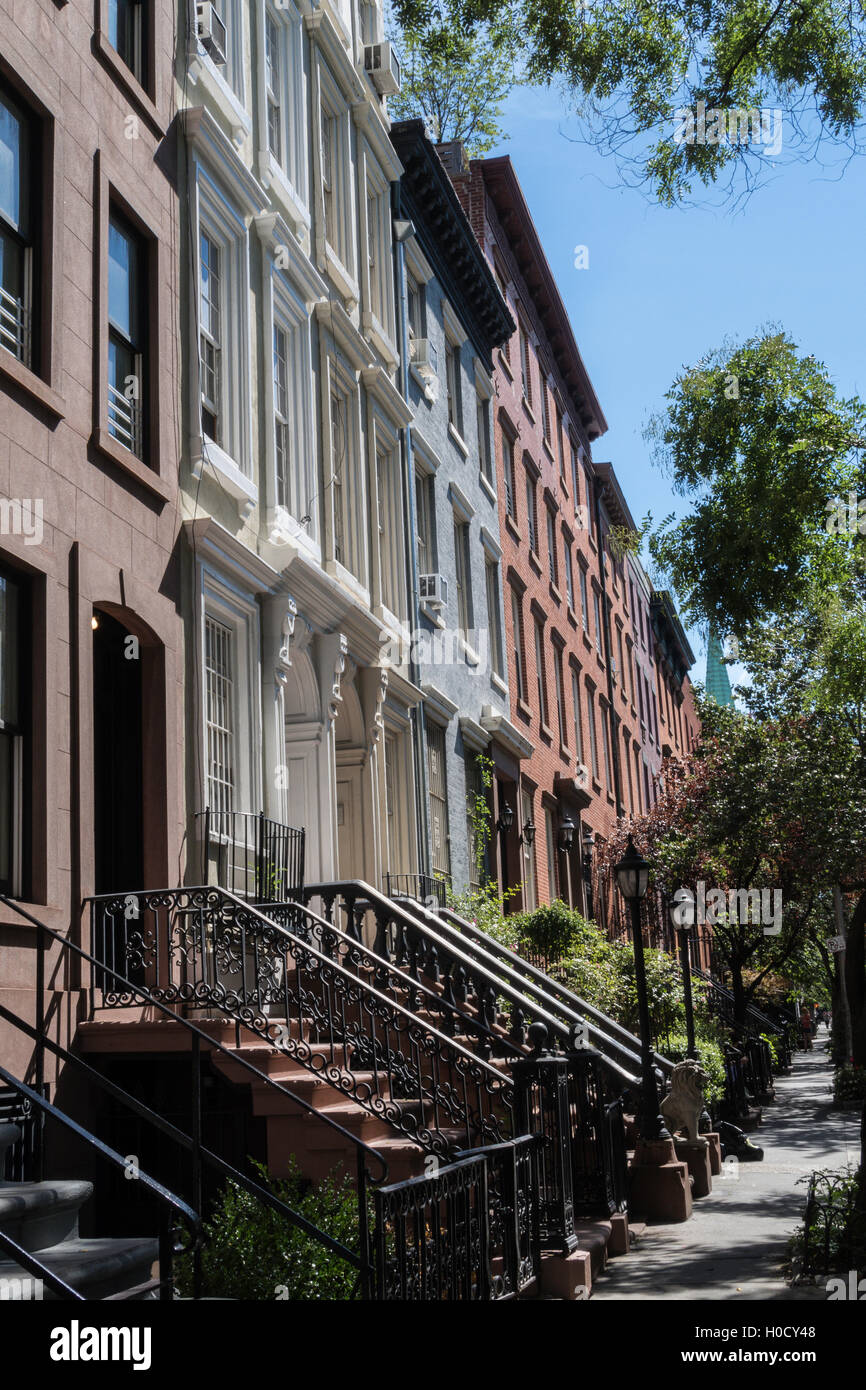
(453, 156)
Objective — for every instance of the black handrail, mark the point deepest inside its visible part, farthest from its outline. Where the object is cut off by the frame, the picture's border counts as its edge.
(423, 1066)
(498, 970)
(363, 1152)
(34, 1266)
(258, 858)
(160, 1191)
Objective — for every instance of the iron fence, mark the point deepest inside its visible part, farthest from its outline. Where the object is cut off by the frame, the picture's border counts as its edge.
(422, 888)
(256, 858)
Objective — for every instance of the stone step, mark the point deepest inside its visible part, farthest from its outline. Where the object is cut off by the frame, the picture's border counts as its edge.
(39, 1215)
(96, 1268)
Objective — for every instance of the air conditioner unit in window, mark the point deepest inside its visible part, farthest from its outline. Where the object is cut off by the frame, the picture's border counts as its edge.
(211, 30)
(383, 65)
(425, 358)
(582, 775)
(434, 590)
(613, 672)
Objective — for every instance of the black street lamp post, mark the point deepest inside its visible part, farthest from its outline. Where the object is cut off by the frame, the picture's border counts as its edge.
(684, 932)
(632, 876)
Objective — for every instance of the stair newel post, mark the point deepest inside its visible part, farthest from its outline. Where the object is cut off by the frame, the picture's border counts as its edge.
(39, 1127)
(196, 1156)
(364, 1246)
(166, 1255)
(541, 1107)
(380, 945)
(517, 1031)
(260, 886)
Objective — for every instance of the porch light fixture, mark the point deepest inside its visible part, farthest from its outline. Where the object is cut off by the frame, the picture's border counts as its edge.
(506, 818)
(632, 873)
(528, 833)
(566, 833)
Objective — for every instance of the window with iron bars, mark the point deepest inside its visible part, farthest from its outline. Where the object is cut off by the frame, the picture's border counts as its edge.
(18, 162)
(127, 262)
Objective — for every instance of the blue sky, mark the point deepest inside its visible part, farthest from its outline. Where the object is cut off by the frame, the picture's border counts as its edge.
(665, 285)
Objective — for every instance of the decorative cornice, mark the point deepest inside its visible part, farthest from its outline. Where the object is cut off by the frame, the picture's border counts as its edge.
(210, 541)
(275, 235)
(381, 387)
(504, 732)
(334, 318)
(207, 139)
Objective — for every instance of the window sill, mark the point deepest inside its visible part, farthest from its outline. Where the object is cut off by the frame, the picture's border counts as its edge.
(282, 192)
(339, 273)
(554, 593)
(548, 450)
(433, 615)
(223, 96)
(546, 732)
(505, 364)
(380, 339)
(32, 384)
(487, 486)
(527, 409)
(586, 641)
(498, 683)
(426, 385)
(457, 439)
(572, 616)
(229, 476)
(565, 753)
(511, 525)
(523, 709)
(596, 786)
(471, 655)
(52, 917)
(127, 80)
(109, 447)
(535, 562)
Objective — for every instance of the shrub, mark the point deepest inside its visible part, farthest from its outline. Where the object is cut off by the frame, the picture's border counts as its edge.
(849, 1086)
(664, 990)
(484, 907)
(252, 1252)
(832, 1236)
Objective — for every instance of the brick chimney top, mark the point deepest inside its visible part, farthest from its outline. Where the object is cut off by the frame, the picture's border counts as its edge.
(453, 156)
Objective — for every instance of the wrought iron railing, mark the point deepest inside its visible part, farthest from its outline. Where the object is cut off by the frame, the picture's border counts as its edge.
(736, 1102)
(468, 1232)
(721, 1002)
(125, 420)
(256, 858)
(430, 889)
(14, 326)
(598, 1152)
(370, 1167)
(206, 948)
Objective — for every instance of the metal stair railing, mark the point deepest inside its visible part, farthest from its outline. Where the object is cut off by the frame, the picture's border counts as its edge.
(489, 973)
(756, 1021)
(169, 1202)
(204, 947)
(370, 1168)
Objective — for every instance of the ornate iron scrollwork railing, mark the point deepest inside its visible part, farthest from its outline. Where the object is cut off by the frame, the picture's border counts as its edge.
(467, 1232)
(205, 948)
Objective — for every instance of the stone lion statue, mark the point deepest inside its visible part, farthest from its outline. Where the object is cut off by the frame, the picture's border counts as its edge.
(683, 1106)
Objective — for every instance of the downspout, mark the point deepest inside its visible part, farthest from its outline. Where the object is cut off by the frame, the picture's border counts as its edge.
(615, 719)
(419, 761)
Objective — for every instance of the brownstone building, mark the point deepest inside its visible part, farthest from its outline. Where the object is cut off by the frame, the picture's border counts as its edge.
(91, 758)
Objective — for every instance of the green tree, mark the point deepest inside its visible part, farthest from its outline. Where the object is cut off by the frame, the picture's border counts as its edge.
(455, 80)
(630, 66)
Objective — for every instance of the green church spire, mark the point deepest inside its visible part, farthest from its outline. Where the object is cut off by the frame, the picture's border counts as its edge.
(718, 681)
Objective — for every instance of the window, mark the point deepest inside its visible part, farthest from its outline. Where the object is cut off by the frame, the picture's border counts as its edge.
(485, 457)
(637, 786)
(272, 88)
(127, 260)
(619, 649)
(390, 523)
(503, 290)
(508, 474)
(125, 25)
(552, 559)
(531, 514)
(379, 287)
(452, 378)
(569, 573)
(575, 702)
(328, 138)
(560, 442)
(530, 893)
(560, 695)
(492, 578)
(18, 156)
(339, 452)
(540, 672)
(605, 738)
(210, 326)
(369, 22)
(15, 703)
(415, 306)
(550, 839)
(519, 646)
(438, 799)
(462, 576)
(281, 415)
(584, 601)
(424, 536)
(596, 608)
(575, 474)
(640, 697)
(220, 716)
(545, 410)
(525, 365)
(593, 732)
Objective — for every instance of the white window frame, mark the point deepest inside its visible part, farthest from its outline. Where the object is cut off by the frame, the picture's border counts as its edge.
(238, 612)
(339, 260)
(353, 568)
(387, 527)
(378, 317)
(286, 309)
(287, 175)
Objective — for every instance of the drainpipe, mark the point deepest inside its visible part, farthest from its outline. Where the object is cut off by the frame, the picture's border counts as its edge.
(422, 799)
(615, 724)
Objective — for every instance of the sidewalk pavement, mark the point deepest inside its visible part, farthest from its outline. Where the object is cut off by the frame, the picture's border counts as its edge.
(734, 1244)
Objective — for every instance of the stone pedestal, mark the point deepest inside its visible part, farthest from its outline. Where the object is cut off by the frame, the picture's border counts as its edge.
(715, 1146)
(619, 1235)
(660, 1185)
(567, 1276)
(696, 1155)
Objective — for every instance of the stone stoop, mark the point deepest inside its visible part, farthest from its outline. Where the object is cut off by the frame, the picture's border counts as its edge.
(42, 1217)
(570, 1277)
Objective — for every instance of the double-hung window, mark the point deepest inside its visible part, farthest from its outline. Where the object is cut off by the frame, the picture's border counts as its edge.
(211, 315)
(560, 695)
(424, 533)
(18, 156)
(438, 784)
(281, 417)
(596, 608)
(328, 145)
(569, 573)
(508, 474)
(452, 379)
(273, 65)
(540, 672)
(605, 738)
(531, 513)
(15, 703)
(492, 578)
(575, 703)
(220, 702)
(485, 457)
(584, 601)
(519, 646)
(126, 21)
(552, 557)
(525, 365)
(127, 305)
(462, 573)
(593, 732)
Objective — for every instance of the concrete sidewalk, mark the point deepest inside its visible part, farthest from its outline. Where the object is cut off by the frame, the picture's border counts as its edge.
(734, 1244)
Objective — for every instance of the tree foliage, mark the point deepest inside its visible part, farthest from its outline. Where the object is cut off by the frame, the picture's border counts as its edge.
(628, 67)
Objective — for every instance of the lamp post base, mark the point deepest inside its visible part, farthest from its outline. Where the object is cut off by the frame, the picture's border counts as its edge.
(660, 1188)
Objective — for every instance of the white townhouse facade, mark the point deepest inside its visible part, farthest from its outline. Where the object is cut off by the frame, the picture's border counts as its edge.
(292, 475)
